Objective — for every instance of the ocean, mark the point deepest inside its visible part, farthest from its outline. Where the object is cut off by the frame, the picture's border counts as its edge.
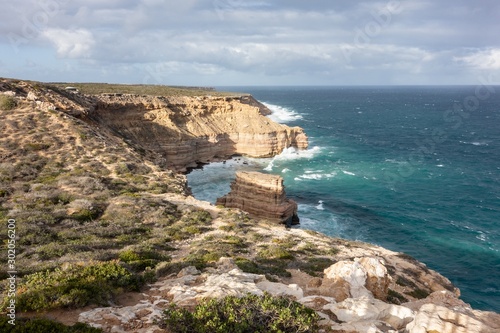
(414, 169)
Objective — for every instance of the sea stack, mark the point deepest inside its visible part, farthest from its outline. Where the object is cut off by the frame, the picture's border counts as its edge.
(262, 196)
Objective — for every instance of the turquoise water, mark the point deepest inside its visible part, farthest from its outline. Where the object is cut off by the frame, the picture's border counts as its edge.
(413, 169)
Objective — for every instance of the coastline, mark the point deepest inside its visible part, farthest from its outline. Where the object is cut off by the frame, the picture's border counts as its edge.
(144, 167)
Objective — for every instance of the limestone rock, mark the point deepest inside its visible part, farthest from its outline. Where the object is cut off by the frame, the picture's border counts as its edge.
(140, 318)
(363, 310)
(190, 270)
(377, 279)
(363, 277)
(280, 289)
(353, 273)
(235, 283)
(438, 319)
(261, 195)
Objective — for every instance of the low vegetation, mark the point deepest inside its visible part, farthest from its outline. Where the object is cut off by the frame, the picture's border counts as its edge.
(7, 102)
(247, 314)
(41, 325)
(140, 89)
(75, 285)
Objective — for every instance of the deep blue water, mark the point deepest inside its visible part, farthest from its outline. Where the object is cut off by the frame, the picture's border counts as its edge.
(413, 169)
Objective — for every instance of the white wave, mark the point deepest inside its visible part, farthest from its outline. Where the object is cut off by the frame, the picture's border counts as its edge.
(291, 153)
(270, 166)
(349, 173)
(320, 205)
(285, 170)
(281, 114)
(475, 143)
(316, 176)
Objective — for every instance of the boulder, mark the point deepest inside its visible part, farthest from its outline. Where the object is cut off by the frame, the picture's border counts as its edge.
(377, 279)
(348, 274)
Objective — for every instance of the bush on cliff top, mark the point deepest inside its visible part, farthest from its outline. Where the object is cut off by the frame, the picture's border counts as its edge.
(43, 326)
(74, 286)
(247, 314)
(7, 102)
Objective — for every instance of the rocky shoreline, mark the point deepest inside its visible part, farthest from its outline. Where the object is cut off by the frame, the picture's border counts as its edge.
(120, 151)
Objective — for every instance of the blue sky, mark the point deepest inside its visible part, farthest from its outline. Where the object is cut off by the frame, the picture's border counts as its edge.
(237, 42)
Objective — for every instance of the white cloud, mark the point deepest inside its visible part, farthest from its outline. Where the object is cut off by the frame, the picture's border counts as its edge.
(484, 59)
(71, 43)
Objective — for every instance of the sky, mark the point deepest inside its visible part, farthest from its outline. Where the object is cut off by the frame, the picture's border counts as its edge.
(252, 42)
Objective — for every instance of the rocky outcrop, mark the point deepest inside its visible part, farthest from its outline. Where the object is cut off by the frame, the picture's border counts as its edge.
(187, 131)
(45, 99)
(358, 313)
(261, 195)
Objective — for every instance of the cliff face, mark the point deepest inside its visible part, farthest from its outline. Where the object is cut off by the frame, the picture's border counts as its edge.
(191, 130)
(262, 196)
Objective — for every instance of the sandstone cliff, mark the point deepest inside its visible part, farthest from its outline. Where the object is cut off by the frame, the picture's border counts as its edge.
(187, 131)
(262, 196)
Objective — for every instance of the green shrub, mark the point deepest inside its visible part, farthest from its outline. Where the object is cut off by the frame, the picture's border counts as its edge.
(7, 102)
(39, 325)
(76, 285)
(247, 314)
(274, 252)
(139, 260)
(315, 266)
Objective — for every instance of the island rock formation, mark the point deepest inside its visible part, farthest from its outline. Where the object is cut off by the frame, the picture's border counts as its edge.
(188, 131)
(262, 196)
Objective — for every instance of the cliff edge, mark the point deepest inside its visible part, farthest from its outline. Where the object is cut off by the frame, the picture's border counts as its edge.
(188, 131)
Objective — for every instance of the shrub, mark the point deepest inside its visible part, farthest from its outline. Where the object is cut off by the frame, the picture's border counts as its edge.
(274, 252)
(76, 285)
(247, 314)
(139, 260)
(7, 102)
(39, 325)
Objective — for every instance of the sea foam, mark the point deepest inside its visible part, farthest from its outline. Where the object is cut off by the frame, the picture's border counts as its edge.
(282, 114)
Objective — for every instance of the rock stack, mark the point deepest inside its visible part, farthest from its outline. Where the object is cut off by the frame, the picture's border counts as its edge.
(262, 196)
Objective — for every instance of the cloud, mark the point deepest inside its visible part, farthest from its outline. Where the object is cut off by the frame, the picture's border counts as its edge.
(278, 41)
(483, 59)
(71, 43)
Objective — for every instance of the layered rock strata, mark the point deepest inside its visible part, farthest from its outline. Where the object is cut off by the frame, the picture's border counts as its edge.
(187, 131)
(262, 196)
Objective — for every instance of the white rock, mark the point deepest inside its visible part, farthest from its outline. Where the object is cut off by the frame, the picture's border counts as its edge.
(363, 327)
(312, 301)
(353, 273)
(395, 315)
(31, 96)
(354, 310)
(377, 279)
(280, 289)
(190, 270)
(371, 310)
(435, 318)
